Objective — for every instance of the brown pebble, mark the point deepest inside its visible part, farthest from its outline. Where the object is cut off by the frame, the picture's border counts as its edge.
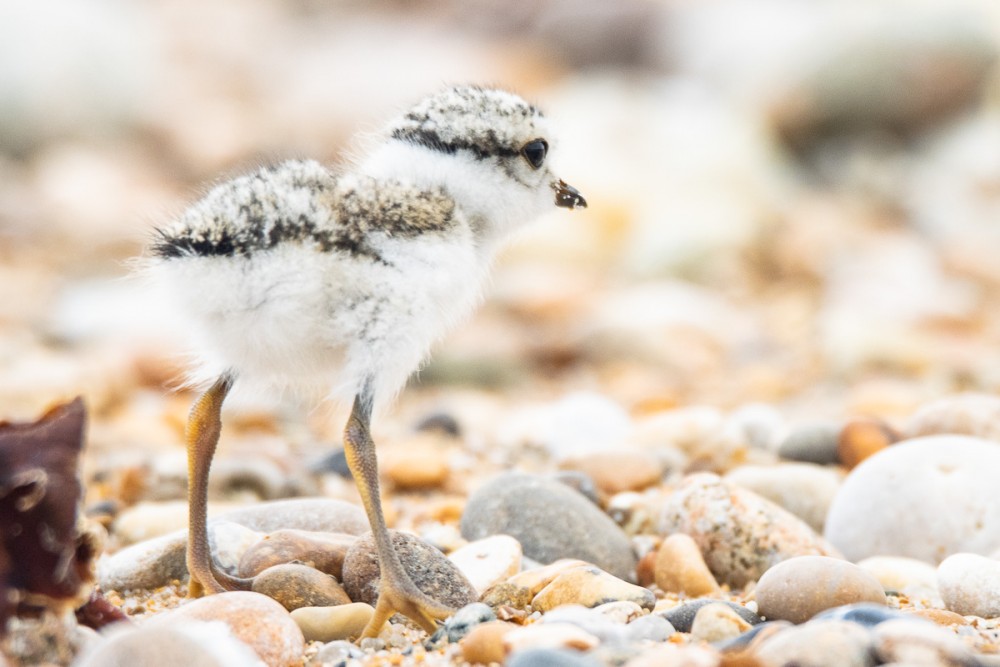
(680, 568)
(322, 551)
(861, 438)
(484, 643)
(429, 569)
(939, 616)
(645, 570)
(420, 464)
(615, 472)
(295, 586)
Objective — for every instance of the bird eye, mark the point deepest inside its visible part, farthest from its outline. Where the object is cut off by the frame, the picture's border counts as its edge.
(534, 152)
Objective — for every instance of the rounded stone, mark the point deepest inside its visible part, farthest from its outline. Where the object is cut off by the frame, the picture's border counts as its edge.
(897, 574)
(812, 443)
(551, 657)
(429, 569)
(549, 635)
(193, 643)
(867, 614)
(861, 438)
(817, 644)
(680, 568)
(963, 414)
(614, 472)
(464, 620)
(804, 489)
(914, 642)
(717, 622)
(420, 464)
(925, 498)
(740, 534)
(799, 588)
(970, 585)
(294, 585)
(682, 616)
(255, 619)
(327, 624)
(590, 586)
(484, 643)
(488, 561)
(550, 520)
(323, 551)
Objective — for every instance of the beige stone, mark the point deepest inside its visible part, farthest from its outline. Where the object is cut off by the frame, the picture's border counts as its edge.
(680, 568)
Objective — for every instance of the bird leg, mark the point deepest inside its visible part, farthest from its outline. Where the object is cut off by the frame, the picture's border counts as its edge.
(397, 592)
(202, 435)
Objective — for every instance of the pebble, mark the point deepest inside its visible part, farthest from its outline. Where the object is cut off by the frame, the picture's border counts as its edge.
(804, 489)
(255, 619)
(336, 652)
(146, 520)
(549, 635)
(600, 625)
(935, 496)
(327, 624)
(459, 624)
(682, 616)
(861, 438)
(294, 585)
(650, 628)
(755, 635)
(159, 561)
(963, 414)
(229, 541)
(680, 568)
(939, 616)
(519, 590)
(590, 586)
(717, 622)
(323, 551)
(488, 561)
(817, 644)
(420, 464)
(192, 643)
(429, 569)
(740, 534)
(867, 614)
(799, 588)
(673, 655)
(970, 585)
(617, 471)
(897, 574)
(913, 642)
(528, 508)
(548, 657)
(484, 643)
(812, 443)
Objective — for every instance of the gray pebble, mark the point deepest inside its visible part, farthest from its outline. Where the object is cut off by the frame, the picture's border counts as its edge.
(812, 443)
(865, 614)
(461, 623)
(548, 657)
(336, 653)
(550, 520)
(652, 628)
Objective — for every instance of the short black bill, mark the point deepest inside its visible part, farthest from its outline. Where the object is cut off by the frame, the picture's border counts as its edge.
(567, 196)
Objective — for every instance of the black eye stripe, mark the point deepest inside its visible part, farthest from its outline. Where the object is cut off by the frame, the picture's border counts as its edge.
(535, 151)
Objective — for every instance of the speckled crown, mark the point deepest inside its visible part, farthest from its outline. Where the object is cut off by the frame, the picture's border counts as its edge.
(485, 121)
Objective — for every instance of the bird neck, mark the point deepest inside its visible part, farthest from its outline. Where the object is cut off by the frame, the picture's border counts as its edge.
(480, 190)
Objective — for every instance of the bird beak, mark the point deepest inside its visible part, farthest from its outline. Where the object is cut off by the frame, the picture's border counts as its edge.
(567, 196)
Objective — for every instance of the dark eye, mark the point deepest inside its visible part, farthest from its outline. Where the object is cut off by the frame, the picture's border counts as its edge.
(534, 152)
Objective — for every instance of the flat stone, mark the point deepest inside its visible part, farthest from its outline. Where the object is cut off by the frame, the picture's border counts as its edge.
(817, 644)
(804, 489)
(740, 534)
(294, 585)
(590, 586)
(323, 551)
(717, 622)
(327, 624)
(430, 570)
(680, 568)
(682, 616)
(529, 508)
(970, 585)
(484, 643)
(925, 498)
(912, 642)
(799, 588)
(193, 643)
(255, 619)
(939, 616)
(488, 561)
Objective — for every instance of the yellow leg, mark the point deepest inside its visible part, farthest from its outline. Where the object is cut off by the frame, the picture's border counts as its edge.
(397, 592)
(203, 428)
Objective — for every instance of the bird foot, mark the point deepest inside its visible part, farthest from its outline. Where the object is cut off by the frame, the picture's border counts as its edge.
(400, 595)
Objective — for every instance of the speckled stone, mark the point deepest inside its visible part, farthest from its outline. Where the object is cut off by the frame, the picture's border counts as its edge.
(680, 568)
(804, 489)
(914, 642)
(799, 588)
(327, 624)
(254, 619)
(910, 483)
(323, 551)
(740, 534)
(590, 586)
(294, 585)
(970, 585)
(817, 644)
(682, 616)
(429, 569)
(488, 561)
(717, 622)
(528, 507)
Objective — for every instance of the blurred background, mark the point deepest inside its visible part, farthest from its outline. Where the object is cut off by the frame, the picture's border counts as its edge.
(792, 204)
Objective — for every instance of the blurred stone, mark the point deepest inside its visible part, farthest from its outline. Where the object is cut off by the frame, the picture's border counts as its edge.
(488, 561)
(804, 489)
(799, 588)
(485, 644)
(970, 585)
(323, 551)
(908, 641)
(812, 443)
(327, 624)
(682, 616)
(548, 635)
(193, 643)
(419, 464)
(965, 414)
(914, 578)
(717, 622)
(614, 472)
(820, 643)
(861, 438)
(295, 585)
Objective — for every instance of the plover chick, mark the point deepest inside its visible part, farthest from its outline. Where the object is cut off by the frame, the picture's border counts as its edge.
(296, 276)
